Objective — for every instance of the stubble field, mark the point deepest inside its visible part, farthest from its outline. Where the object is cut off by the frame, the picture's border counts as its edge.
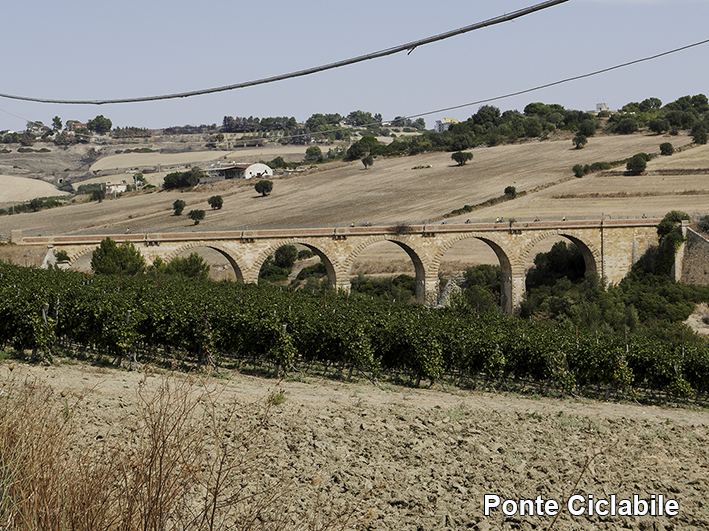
(427, 456)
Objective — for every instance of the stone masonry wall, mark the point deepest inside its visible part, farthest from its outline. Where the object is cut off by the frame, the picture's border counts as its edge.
(695, 263)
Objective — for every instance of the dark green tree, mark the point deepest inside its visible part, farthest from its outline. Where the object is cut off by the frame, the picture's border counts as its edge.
(98, 195)
(196, 216)
(99, 125)
(511, 191)
(367, 160)
(579, 141)
(461, 157)
(670, 221)
(666, 149)
(285, 256)
(366, 145)
(193, 266)
(216, 202)
(62, 256)
(532, 127)
(563, 260)
(178, 206)
(626, 126)
(57, 123)
(637, 164)
(699, 133)
(264, 187)
(112, 259)
(587, 128)
(702, 224)
(658, 125)
(313, 155)
(36, 204)
(360, 118)
(183, 179)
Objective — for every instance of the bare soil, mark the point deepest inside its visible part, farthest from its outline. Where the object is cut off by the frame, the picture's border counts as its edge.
(432, 454)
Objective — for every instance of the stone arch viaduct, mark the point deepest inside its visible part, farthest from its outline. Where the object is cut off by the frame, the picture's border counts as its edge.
(609, 248)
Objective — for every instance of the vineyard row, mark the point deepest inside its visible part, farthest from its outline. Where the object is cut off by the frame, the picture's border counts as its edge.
(218, 322)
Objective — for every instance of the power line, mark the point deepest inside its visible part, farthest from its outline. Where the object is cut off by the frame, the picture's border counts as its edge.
(525, 91)
(574, 78)
(409, 47)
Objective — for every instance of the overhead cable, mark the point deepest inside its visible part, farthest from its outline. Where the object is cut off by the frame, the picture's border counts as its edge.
(525, 91)
(574, 78)
(409, 47)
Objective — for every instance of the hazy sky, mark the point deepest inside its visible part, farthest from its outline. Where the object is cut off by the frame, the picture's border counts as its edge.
(118, 49)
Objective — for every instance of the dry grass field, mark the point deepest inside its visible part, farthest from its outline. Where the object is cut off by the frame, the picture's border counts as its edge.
(392, 190)
(21, 189)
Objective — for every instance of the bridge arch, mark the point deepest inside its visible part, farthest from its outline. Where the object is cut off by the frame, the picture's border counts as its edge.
(404, 242)
(73, 258)
(592, 257)
(509, 268)
(238, 267)
(332, 277)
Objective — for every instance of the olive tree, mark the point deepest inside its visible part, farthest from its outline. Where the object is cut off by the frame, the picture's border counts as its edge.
(196, 216)
(666, 148)
(216, 202)
(178, 206)
(461, 157)
(579, 141)
(264, 187)
(637, 164)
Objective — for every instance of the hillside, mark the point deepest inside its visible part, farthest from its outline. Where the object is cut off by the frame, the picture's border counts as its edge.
(392, 190)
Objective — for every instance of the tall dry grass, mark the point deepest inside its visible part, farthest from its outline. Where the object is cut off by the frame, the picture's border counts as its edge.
(189, 463)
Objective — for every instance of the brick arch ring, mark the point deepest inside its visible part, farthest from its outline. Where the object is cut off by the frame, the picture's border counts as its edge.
(401, 240)
(235, 262)
(327, 260)
(507, 262)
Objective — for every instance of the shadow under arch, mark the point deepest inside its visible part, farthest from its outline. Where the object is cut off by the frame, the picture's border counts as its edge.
(503, 256)
(412, 253)
(591, 255)
(329, 268)
(238, 269)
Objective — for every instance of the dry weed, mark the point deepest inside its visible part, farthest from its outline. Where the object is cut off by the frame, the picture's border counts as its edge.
(191, 463)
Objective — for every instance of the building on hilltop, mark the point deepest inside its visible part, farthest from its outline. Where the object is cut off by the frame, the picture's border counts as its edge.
(444, 125)
(232, 170)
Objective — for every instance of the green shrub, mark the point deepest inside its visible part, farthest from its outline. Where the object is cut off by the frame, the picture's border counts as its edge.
(666, 149)
(579, 170)
(637, 164)
(703, 223)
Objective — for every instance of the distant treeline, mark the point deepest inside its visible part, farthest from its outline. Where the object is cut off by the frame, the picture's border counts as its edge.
(34, 205)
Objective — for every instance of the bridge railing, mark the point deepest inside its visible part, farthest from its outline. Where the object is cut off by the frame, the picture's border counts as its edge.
(458, 220)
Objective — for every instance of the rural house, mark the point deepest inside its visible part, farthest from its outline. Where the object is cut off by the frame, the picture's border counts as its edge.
(233, 170)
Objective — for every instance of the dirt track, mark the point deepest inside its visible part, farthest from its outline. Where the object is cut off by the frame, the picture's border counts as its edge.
(434, 454)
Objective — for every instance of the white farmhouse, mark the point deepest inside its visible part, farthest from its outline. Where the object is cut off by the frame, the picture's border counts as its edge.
(239, 171)
(116, 187)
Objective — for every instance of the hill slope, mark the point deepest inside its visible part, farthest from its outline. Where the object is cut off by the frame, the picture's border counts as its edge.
(392, 190)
